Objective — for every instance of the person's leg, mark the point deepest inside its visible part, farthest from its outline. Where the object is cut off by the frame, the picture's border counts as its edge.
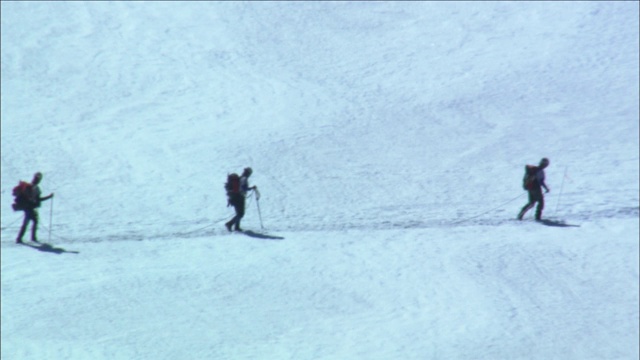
(233, 200)
(229, 224)
(34, 227)
(240, 212)
(238, 202)
(528, 206)
(540, 206)
(23, 229)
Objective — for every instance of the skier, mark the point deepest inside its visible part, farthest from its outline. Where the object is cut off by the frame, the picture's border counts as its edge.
(30, 202)
(533, 183)
(237, 198)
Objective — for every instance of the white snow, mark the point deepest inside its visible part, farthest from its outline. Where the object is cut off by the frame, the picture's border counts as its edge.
(388, 141)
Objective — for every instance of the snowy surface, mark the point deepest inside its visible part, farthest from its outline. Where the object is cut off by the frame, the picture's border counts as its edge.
(388, 141)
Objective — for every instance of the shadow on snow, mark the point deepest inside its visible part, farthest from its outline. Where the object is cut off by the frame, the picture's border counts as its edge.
(44, 247)
(556, 223)
(262, 236)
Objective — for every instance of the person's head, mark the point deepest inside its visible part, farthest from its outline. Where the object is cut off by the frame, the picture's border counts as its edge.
(37, 177)
(247, 172)
(544, 163)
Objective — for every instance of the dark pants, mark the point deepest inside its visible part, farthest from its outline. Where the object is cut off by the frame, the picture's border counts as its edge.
(29, 215)
(535, 196)
(238, 203)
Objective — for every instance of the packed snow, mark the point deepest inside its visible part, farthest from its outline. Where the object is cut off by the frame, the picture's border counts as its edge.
(388, 141)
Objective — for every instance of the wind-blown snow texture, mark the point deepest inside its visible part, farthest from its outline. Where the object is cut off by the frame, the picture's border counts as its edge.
(388, 140)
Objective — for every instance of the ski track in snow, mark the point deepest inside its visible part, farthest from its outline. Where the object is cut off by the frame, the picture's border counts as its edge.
(207, 229)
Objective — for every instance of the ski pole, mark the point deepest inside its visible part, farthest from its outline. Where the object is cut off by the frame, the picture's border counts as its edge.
(259, 214)
(561, 186)
(258, 204)
(50, 219)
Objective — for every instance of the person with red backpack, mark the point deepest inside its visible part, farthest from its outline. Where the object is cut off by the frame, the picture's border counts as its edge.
(28, 199)
(533, 182)
(237, 188)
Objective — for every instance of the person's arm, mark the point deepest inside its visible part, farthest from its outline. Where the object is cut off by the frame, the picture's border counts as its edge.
(545, 186)
(541, 181)
(244, 184)
(46, 197)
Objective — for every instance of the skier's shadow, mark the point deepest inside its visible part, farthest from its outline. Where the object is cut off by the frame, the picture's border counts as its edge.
(556, 223)
(262, 236)
(48, 248)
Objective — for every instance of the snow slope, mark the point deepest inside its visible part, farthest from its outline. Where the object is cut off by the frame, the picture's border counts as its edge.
(388, 141)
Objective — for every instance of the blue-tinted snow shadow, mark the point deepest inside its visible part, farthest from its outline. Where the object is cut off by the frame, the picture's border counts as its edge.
(556, 223)
(261, 236)
(44, 247)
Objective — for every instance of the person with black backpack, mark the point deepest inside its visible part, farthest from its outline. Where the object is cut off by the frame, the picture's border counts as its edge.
(237, 188)
(533, 182)
(28, 199)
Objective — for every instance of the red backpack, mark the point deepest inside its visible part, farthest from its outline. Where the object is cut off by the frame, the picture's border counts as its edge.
(529, 180)
(21, 194)
(233, 184)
